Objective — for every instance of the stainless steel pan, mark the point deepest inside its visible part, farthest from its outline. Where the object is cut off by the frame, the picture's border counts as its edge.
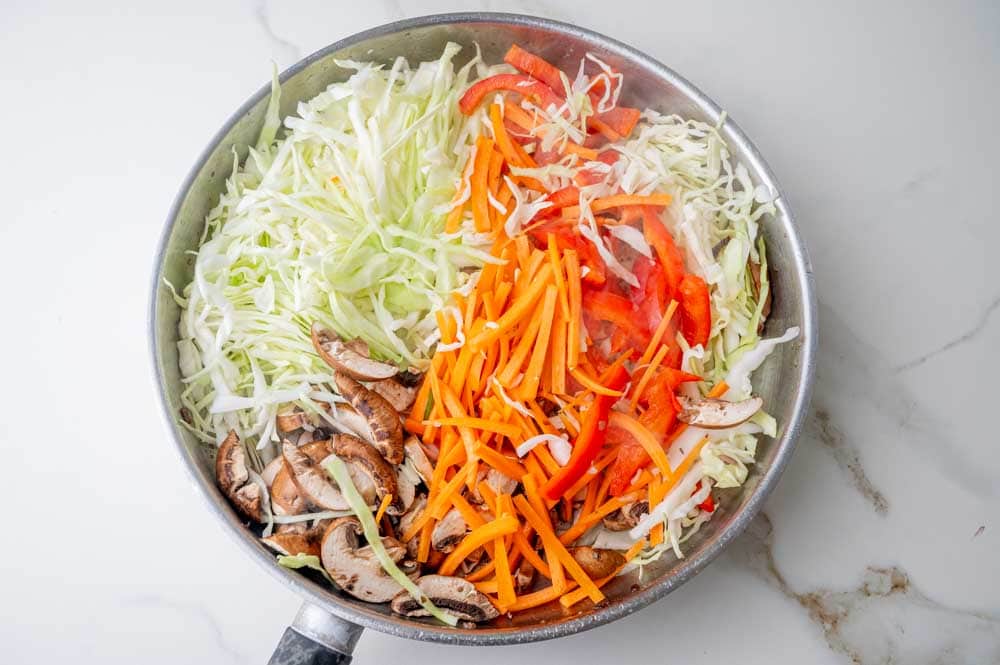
(329, 623)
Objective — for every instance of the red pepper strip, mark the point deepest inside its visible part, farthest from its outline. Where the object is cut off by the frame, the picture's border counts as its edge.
(567, 196)
(540, 93)
(662, 242)
(659, 418)
(708, 505)
(591, 176)
(696, 310)
(567, 237)
(532, 65)
(589, 442)
(622, 119)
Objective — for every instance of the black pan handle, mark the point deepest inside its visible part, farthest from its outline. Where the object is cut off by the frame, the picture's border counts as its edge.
(316, 637)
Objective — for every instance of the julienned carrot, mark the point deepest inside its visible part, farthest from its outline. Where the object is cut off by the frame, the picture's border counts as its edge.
(645, 438)
(441, 499)
(528, 388)
(575, 295)
(585, 522)
(512, 367)
(518, 116)
(500, 462)
(476, 538)
(516, 312)
(493, 183)
(657, 337)
(386, 500)
(618, 201)
(557, 354)
(504, 142)
(557, 272)
(647, 374)
(562, 554)
(505, 582)
(536, 598)
(588, 154)
(478, 200)
(506, 429)
(591, 384)
(530, 555)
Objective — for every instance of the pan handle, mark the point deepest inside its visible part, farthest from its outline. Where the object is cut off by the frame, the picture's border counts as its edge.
(316, 637)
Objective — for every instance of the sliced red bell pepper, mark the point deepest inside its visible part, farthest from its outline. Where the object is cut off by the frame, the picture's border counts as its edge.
(695, 309)
(567, 237)
(590, 440)
(540, 93)
(650, 297)
(533, 65)
(708, 504)
(662, 242)
(622, 119)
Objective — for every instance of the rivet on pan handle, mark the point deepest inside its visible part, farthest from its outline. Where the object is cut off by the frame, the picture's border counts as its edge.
(316, 637)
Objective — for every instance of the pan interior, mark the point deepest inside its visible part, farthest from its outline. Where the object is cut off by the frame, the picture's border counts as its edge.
(782, 382)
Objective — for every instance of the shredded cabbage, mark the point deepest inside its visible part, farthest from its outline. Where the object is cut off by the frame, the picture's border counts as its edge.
(341, 222)
(303, 560)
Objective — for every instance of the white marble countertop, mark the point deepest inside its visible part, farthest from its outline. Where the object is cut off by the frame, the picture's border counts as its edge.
(882, 541)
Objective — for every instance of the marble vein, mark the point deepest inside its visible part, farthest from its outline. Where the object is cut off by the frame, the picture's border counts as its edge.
(879, 621)
(289, 51)
(196, 613)
(847, 456)
(970, 334)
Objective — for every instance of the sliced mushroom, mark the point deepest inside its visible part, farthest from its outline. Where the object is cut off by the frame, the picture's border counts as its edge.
(286, 499)
(524, 576)
(498, 481)
(271, 470)
(454, 594)
(351, 358)
(448, 531)
(415, 452)
(473, 561)
(387, 431)
(355, 569)
(716, 413)
(597, 563)
(290, 421)
(399, 396)
(312, 480)
(627, 516)
(352, 449)
(405, 487)
(354, 422)
(234, 478)
(406, 521)
(291, 543)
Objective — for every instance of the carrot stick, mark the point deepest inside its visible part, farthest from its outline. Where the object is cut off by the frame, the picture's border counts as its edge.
(493, 183)
(657, 337)
(500, 462)
(585, 522)
(505, 429)
(588, 154)
(504, 142)
(505, 582)
(482, 573)
(574, 293)
(557, 271)
(591, 384)
(562, 554)
(647, 375)
(529, 386)
(516, 312)
(479, 183)
(524, 346)
(535, 598)
(557, 355)
(530, 555)
(477, 538)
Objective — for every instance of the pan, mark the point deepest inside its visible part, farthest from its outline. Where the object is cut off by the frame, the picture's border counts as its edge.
(330, 623)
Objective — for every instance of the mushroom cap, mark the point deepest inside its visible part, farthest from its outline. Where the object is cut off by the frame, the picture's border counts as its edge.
(524, 576)
(292, 543)
(311, 480)
(415, 452)
(597, 563)
(349, 418)
(290, 421)
(627, 516)
(454, 594)
(716, 413)
(386, 428)
(406, 521)
(355, 569)
(406, 488)
(448, 531)
(356, 452)
(351, 358)
(234, 478)
(271, 470)
(286, 499)
(399, 396)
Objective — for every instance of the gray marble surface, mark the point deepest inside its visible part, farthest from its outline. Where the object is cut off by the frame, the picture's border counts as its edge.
(881, 543)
